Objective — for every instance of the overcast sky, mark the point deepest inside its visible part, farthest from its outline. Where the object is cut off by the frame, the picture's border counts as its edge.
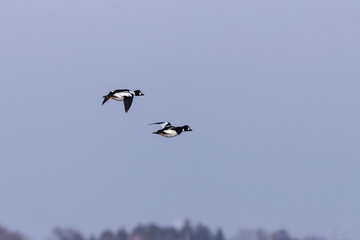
(270, 88)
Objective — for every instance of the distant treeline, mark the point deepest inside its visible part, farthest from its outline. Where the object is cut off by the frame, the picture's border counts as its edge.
(147, 232)
(5, 234)
(155, 232)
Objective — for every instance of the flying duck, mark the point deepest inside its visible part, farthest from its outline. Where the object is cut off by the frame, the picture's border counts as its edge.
(169, 130)
(125, 95)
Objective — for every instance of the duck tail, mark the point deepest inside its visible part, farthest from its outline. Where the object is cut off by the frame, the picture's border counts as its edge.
(106, 98)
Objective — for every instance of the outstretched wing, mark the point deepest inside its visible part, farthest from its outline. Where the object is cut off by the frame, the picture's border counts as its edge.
(127, 103)
(163, 124)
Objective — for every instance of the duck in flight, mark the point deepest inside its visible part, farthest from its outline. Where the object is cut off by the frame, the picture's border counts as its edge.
(169, 130)
(125, 95)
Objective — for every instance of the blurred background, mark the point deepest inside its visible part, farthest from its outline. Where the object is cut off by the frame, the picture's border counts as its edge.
(270, 89)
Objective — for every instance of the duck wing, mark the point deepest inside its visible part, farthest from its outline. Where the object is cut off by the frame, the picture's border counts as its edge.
(127, 103)
(163, 124)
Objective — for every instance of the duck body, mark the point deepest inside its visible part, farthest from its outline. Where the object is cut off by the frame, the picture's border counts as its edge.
(125, 95)
(170, 131)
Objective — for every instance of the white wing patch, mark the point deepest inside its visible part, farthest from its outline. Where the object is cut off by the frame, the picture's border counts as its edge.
(164, 124)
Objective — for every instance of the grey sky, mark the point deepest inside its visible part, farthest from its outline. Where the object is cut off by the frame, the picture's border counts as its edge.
(270, 88)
